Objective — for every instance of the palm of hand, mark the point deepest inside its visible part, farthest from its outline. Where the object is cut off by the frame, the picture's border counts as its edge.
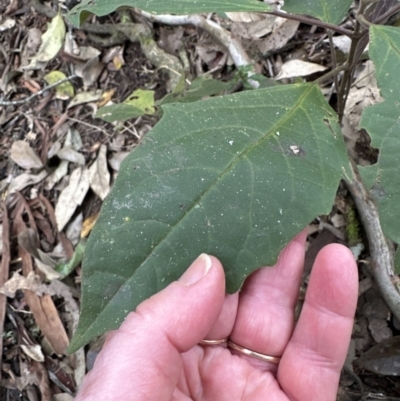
(154, 356)
(213, 373)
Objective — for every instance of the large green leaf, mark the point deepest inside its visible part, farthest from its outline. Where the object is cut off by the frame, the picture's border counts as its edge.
(236, 176)
(103, 7)
(382, 122)
(332, 11)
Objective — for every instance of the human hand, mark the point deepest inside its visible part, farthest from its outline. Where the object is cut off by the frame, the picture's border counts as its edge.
(155, 354)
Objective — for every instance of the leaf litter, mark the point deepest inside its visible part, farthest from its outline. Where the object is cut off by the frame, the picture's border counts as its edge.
(54, 148)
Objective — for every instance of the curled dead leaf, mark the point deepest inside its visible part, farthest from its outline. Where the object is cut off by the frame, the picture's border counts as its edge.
(72, 196)
(25, 156)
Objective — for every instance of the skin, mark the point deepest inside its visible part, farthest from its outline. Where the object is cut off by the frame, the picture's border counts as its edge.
(155, 355)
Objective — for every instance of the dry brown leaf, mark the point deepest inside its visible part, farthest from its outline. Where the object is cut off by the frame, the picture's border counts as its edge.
(42, 380)
(50, 323)
(85, 97)
(363, 93)
(42, 308)
(32, 45)
(24, 180)
(25, 156)
(251, 25)
(7, 24)
(52, 42)
(88, 224)
(17, 282)
(299, 68)
(244, 16)
(33, 351)
(29, 240)
(73, 231)
(283, 31)
(71, 317)
(88, 52)
(116, 159)
(99, 174)
(60, 172)
(47, 270)
(68, 153)
(1, 239)
(71, 196)
(91, 71)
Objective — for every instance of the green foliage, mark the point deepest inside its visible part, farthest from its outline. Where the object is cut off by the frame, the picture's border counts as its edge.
(332, 11)
(118, 112)
(236, 176)
(138, 103)
(382, 121)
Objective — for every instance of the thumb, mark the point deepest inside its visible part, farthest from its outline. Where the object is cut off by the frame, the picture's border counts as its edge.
(142, 359)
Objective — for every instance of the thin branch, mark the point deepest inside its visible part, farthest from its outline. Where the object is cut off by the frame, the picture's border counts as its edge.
(346, 82)
(380, 249)
(96, 128)
(29, 98)
(313, 21)
(382, 19)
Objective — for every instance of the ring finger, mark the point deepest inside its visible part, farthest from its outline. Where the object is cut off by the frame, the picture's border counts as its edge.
(265, 316)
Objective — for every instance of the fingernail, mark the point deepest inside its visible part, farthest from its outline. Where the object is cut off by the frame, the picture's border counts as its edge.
(197, 270)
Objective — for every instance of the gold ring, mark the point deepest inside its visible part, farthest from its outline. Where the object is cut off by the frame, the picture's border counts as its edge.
(263, 357)
(214, 342)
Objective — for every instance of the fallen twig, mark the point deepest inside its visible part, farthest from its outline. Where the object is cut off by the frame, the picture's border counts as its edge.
(29, 98)
(4, 269)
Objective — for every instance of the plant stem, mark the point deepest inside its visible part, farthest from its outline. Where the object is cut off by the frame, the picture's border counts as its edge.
(330, 74)
(383, 18)
(352, 59)
(381, 249)
(312, 21)
(334, 60)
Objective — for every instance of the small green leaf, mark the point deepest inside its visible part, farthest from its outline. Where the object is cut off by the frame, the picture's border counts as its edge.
(140, 102)
(332, 11)
(143, 100)
(382, 123)
(235, 176)
(118, 112)
(200, 88)
(64, 90)
(104, 7)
